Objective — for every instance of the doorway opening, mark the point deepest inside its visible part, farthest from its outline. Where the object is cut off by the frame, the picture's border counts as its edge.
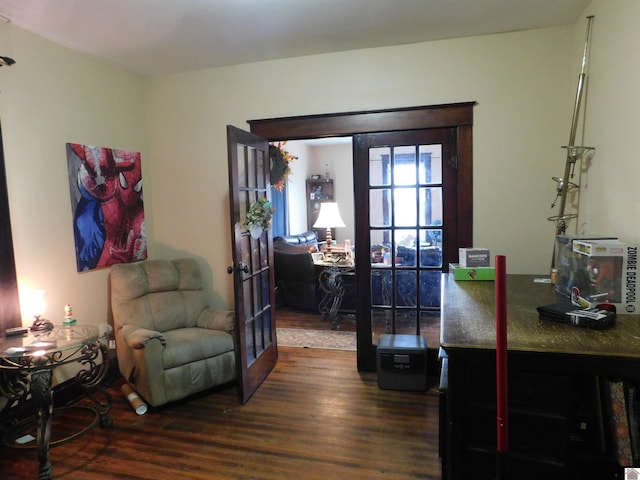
(322, 171)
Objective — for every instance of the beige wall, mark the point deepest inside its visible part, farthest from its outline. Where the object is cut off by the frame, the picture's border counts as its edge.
(610, 201)
(49, 97)
(524, 84)
(339, 160)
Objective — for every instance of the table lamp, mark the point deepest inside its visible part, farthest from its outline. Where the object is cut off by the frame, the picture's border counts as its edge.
(37, 307)
(329, 217)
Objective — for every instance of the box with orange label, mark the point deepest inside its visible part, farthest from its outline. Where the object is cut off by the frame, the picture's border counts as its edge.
(605, 271)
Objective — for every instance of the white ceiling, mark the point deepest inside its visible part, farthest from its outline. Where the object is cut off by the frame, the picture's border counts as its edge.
(153, 37)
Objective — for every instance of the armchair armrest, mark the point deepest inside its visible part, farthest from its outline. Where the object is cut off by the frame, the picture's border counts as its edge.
(137, 337)
(215, 319)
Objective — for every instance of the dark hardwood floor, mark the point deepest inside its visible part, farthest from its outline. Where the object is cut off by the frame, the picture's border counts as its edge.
(314, 417)
(292, 318)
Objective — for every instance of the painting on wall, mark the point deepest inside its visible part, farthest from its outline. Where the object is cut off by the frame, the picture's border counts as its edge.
(107, 206)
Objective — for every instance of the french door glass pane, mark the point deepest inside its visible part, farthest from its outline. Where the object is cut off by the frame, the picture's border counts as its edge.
(246, 254)
(381, 287)
(259, 339)
(251, 166)
(430, 205)
(430, 288)
(404, 166)
(379, 166)
(250, 340)
(264, 257)
(404, 201)
(405, 241)
(242, 172)
(380, 246)
(381, 322)
(431, 248)
(244, 203)
(405, 322)
(259, 161)
(380, 207)
(405, 288)
(430, 164)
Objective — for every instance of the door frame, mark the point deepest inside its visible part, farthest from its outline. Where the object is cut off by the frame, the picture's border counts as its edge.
(458, 116)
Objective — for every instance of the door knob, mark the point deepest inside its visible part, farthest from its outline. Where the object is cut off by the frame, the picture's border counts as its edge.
(241, 267)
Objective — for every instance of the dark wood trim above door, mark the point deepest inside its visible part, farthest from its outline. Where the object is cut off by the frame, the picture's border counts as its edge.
(350, 123)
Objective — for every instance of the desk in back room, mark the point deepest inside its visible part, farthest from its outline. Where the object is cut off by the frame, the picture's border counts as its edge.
(556, 375)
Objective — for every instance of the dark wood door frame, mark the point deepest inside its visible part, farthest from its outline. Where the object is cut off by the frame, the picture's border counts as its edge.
(457, 116)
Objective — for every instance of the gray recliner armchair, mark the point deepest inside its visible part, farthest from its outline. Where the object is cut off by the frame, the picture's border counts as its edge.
(170, 344)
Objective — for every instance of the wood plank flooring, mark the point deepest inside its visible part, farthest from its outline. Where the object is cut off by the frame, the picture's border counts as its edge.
(314, 417)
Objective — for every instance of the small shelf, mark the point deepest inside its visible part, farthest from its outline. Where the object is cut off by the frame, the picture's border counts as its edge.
(318, 191)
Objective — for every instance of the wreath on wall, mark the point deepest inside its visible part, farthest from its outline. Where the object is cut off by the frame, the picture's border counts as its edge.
(279, 160)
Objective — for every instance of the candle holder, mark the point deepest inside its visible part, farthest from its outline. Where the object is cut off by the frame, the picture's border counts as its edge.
(38, 305)
(41, 324)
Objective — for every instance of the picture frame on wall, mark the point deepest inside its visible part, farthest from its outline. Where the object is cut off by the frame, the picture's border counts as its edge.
(107, 205)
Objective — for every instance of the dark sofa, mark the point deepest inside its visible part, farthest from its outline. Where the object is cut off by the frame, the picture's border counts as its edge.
(295, 274)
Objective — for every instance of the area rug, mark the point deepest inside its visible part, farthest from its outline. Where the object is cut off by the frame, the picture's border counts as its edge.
(326, 339)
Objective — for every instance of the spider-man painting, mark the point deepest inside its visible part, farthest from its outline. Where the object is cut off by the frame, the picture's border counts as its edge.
(107, 204)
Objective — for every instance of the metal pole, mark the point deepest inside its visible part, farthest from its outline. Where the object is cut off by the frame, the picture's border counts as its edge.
(573, 154)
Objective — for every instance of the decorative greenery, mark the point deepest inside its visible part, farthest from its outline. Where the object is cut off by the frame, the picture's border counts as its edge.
(260, 213)
(279, 159)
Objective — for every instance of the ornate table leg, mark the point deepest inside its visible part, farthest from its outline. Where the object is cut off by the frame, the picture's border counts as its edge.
(330, 281)
(91, 377)
(43, 398)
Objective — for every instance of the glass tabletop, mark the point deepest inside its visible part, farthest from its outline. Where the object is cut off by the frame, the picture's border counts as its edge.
(59, 339)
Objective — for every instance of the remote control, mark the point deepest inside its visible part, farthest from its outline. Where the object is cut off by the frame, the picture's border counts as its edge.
(11, 332)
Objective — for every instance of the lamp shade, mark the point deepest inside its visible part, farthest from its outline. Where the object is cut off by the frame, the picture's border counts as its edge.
(329, 216)
(37, 303)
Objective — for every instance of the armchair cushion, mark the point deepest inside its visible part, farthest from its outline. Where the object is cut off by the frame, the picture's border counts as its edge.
(217, 320)
(187, 345)
(170, 344)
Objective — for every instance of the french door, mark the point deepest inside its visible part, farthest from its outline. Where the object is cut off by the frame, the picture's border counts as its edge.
(405, 196)
(256, 346)
(455, 122)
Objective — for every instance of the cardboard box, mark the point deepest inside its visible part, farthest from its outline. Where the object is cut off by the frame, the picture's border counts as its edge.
(606, 271)
(565, 260)
(471, 273)
(474, 257)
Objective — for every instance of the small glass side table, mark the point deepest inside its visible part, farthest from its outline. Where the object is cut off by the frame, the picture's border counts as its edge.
(26, 366)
